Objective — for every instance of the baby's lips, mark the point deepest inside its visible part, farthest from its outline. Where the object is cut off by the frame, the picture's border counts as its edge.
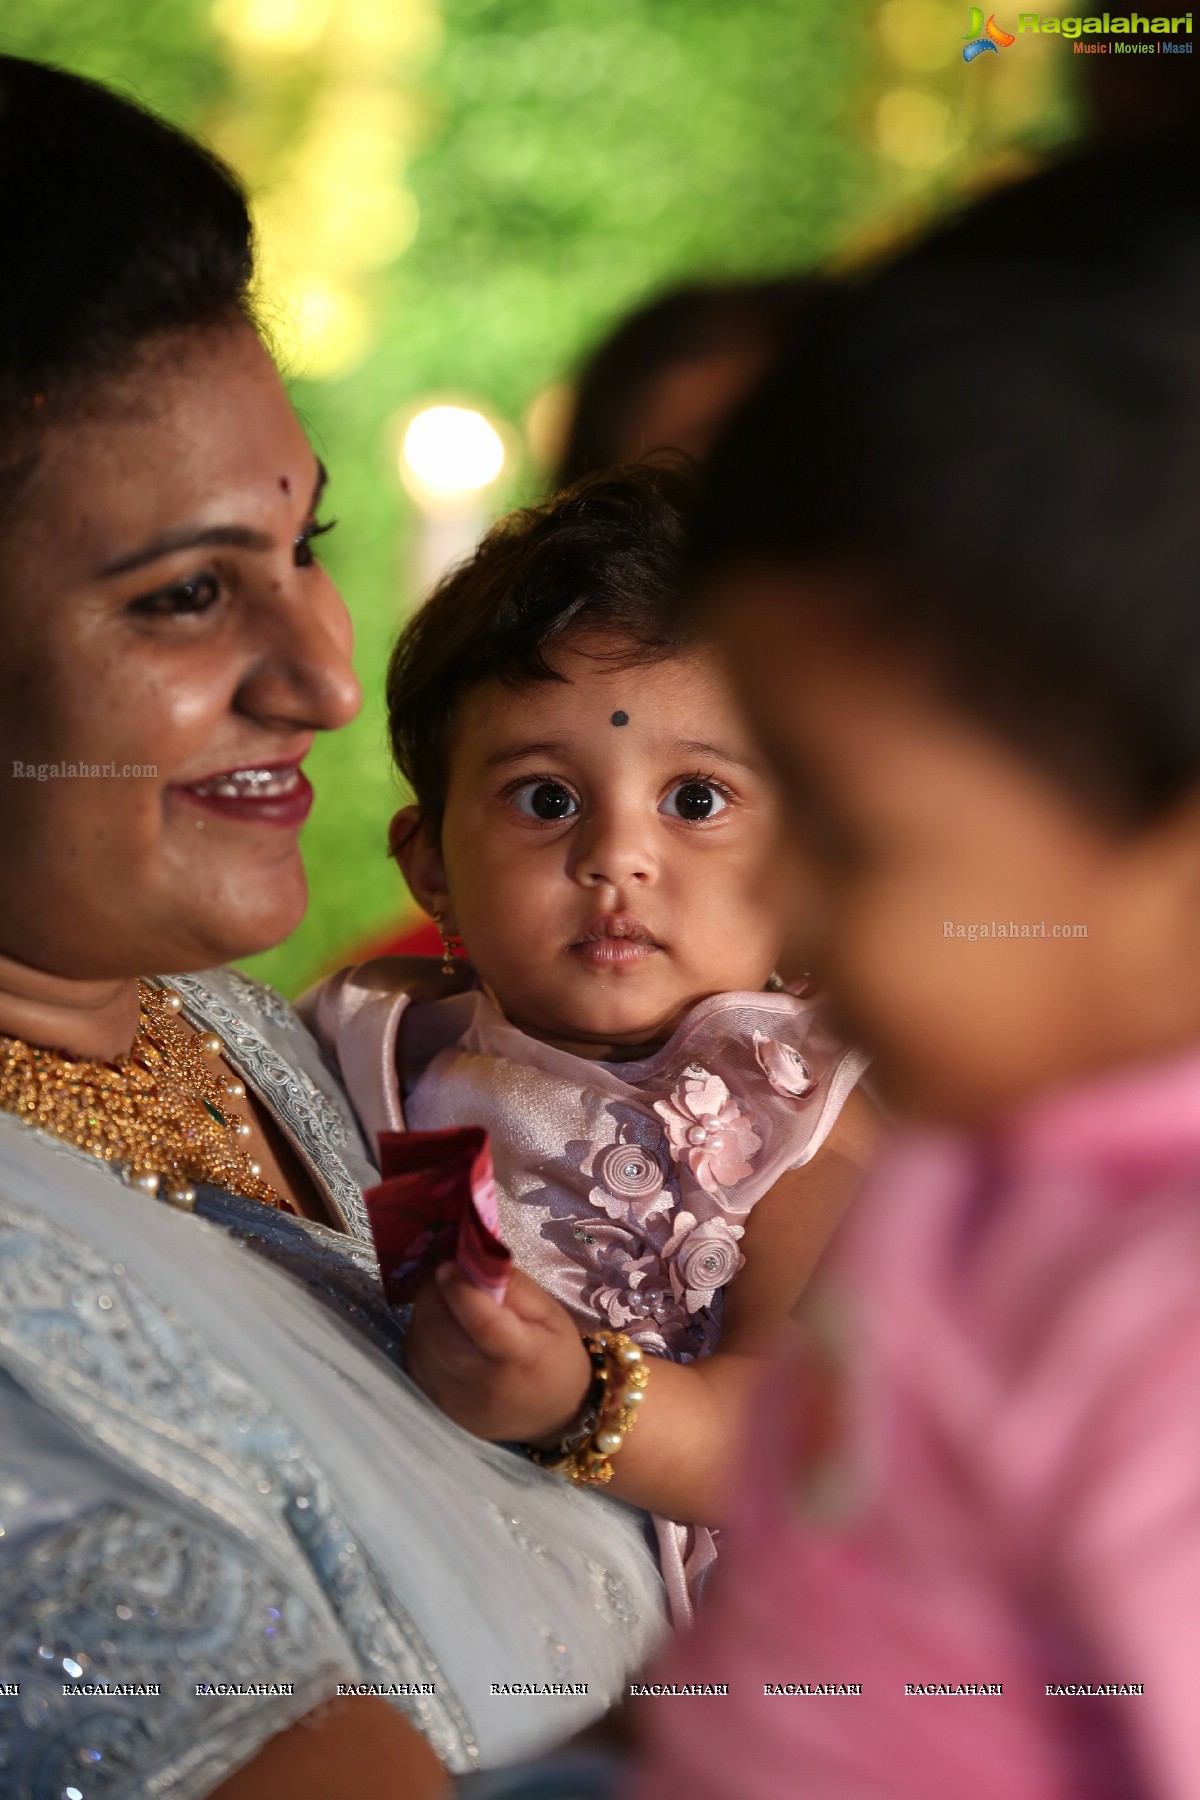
(620, 927)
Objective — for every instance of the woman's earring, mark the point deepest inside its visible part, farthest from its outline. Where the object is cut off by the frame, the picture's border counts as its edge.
(451, 944)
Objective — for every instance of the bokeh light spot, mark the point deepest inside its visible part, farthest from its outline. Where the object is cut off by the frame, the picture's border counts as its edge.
(915, 128)
(921, 35)
(451, 450)
(278, 27)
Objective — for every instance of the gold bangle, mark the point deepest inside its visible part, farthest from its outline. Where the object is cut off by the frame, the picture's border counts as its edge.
(586, 1421)
(628, 1379)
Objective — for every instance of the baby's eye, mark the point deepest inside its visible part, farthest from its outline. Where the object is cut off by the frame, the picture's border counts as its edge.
(545, 800)
(694, 801)
(195, 596)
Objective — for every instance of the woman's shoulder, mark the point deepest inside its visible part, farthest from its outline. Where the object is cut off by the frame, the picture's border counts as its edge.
(253, 1001)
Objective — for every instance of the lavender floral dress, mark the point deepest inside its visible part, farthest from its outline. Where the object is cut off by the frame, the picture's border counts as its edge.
(623, 1187)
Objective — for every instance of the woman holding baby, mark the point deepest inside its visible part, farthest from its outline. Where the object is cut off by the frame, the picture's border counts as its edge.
(223, 1496)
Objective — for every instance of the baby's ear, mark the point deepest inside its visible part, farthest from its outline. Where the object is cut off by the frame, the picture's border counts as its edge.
(418, 859)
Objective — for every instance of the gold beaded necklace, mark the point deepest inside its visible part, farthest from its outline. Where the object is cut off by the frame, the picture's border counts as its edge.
(163, 1110)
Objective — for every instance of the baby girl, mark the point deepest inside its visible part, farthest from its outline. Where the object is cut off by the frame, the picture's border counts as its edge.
(675, 1133)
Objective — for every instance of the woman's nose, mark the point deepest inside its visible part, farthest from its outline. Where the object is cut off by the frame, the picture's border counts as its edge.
(303, 674)
(614, 849)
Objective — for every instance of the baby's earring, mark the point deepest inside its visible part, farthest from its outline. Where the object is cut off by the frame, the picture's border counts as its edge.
(451, 944)
(775, 984)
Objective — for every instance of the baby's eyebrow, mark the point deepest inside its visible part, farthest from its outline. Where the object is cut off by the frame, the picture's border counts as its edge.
(550, 749)
(695, 747)
(514, 753)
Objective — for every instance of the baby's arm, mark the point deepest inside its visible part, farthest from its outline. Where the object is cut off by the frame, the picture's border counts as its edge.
(520, 1372)
(685, 1456)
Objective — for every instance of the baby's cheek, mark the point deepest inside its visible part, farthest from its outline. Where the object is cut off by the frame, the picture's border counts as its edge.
(751, 880)
(721, 913)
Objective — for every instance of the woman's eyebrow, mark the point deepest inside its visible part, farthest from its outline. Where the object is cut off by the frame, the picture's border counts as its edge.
(319, 486)
(197, 537)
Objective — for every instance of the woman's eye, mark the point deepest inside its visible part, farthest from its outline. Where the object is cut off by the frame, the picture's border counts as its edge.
(303, 546)
(694, 801)
(545, 800)
(195, 596)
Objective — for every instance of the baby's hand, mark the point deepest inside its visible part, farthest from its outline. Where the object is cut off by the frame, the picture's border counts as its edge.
(512, 1373)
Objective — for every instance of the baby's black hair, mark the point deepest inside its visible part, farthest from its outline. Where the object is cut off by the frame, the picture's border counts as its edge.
(117, 230)
(993, 442)
(602, 561)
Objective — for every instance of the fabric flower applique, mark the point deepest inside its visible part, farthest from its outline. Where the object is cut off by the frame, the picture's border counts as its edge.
(630, 1183)
(784, 1067)
(707, 1131)
(627, 1289)
(701, 1258)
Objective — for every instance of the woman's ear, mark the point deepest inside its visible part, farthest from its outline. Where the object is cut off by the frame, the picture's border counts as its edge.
(420, 862)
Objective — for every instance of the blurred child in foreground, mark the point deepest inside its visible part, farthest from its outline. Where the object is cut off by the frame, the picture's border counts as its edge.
(670, 372)
(952, 553)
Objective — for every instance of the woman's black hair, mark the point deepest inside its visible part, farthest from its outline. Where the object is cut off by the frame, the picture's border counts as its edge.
(988, 452)
(601, 562)
(116, 230)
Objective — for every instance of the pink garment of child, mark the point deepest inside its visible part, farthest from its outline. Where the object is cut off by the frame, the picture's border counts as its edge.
(999, 1485)
(623, 1188)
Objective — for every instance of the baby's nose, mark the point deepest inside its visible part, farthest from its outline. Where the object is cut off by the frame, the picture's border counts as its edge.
(614, 852)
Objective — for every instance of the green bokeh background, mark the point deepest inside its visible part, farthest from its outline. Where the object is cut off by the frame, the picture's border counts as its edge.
(572, 158)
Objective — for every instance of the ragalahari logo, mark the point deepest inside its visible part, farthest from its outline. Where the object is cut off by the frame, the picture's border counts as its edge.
(984, 37)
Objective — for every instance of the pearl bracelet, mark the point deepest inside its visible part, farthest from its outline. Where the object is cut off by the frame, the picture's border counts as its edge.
(626, 1377)
(586, 1421)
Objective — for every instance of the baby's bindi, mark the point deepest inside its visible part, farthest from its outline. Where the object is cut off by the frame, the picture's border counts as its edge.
(620, 718)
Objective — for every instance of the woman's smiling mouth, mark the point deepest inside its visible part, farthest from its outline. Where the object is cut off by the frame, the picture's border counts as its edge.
(268, 794)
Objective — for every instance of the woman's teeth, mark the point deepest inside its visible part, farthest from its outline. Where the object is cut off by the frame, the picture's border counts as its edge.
(251, 784)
